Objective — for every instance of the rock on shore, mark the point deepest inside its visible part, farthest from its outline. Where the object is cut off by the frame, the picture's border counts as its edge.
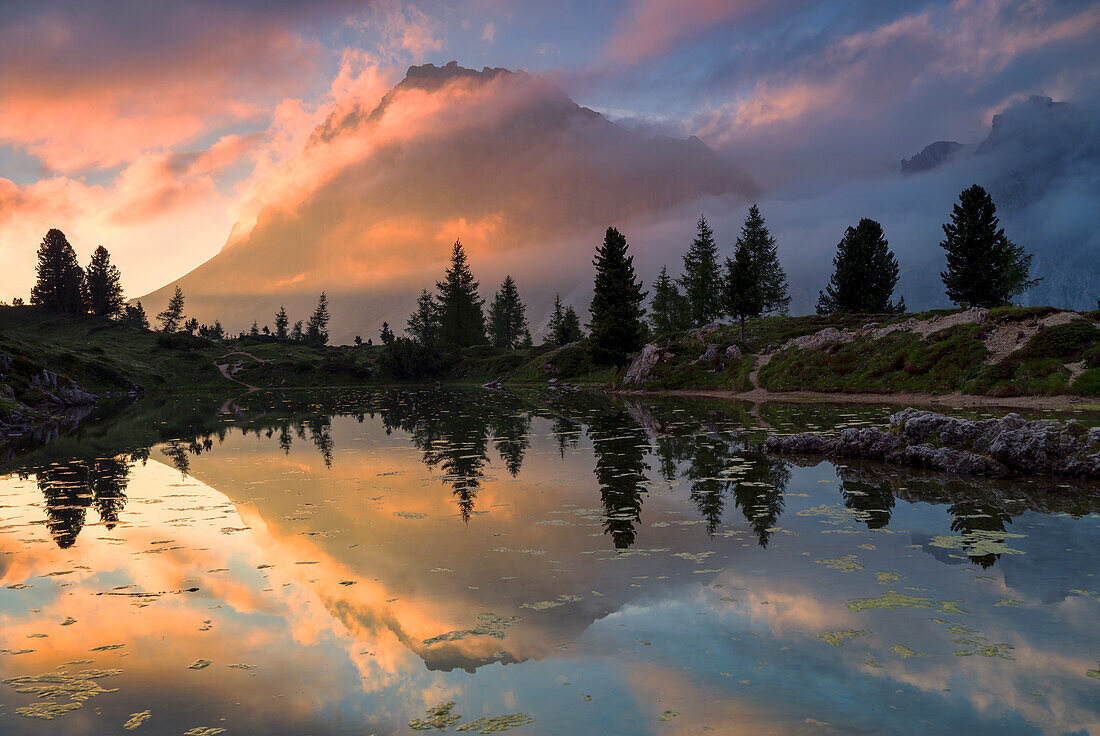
(996, 447)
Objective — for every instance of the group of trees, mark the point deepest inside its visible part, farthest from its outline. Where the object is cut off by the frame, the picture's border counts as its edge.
(64, 286)
(751, 283)
(984, 267)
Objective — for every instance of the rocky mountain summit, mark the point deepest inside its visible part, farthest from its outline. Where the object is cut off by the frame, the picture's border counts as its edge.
(994, 447)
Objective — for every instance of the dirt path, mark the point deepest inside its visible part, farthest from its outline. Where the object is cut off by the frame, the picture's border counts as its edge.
(228, 369)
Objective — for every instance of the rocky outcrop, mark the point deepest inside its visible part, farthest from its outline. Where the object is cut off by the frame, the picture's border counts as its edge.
(61, 392)
(643, 363)
(996, 447)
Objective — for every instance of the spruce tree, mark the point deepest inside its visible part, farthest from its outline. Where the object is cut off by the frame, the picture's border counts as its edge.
(616, 329)
(742, 294)
(296, 334)
(172, 315)
(254, 330)
(508, 318)
(771, 278)
(134, 314)
(281, 322)
(190, 326)
(556, 317)
(60, 283)
(102, 285)
(386, 334)
(668, 310)
(423, 326)
(864, 273)
(570, 329)
(702, 279)
(317, 327)
(984, 267)
(461, 319)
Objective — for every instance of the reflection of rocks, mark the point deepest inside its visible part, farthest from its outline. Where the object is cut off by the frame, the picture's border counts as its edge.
(994, 447)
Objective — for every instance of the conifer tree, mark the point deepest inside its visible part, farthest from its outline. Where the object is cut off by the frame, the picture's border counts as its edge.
(217, 332)
(461, 319)
(386, 334)
(702, 279)
(508, 317)
(556, 317)
(423, 326)
(296, 334)
(190, 326)
(616, 329)
(281, 322)
(317, 328)
(668, 310)
(864, 275)
(742, 294)
(60, 283)
(102, 285)
(172, 315)
(570, 330)
(984, 267)
(134, 314)
(254, 330)
(764, 251)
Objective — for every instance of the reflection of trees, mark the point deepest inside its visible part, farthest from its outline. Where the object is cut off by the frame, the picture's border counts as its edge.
(980, 521)
(874, 502)
(510, 437)
(71, 488)
(620, 445)
(566, 431)
(759, 492)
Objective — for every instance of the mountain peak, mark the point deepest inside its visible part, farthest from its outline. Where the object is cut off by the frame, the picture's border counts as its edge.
(430, 74)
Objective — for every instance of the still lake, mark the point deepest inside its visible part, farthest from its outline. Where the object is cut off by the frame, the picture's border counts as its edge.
(402, 561)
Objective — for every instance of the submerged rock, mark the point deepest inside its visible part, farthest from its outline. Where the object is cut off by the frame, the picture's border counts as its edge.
(1007, 446)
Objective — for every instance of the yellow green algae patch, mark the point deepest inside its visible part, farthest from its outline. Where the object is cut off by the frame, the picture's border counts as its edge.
(439, 716)
(1093, 673)
(890, 599)
(136, 719)
(496, 724)
(837, 638)
(488, 624)
(203, 731)
(905, 652)
(78, 687)
(543, 605)
(979, 542)
(847, 563)
(887, 577)
(668, 715)
(199, 664)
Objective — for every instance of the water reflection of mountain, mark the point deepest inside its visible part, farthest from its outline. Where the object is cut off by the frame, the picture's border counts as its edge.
(714, 451)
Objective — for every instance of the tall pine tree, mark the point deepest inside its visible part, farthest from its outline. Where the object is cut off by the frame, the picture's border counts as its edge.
(508, 317)
(60, 283)
(865, 272)
(569, 331)
(317, 327)
(103, 285)
(172, 315)
(984, 267)
(755, 282)
(702, 279)
(556, 317)
(742, 293)
(668, 310)
(616, 329)
(281, 323)
(461, 319)
(423, 326)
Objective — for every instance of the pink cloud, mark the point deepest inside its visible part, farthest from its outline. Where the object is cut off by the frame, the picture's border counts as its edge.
(652, 27)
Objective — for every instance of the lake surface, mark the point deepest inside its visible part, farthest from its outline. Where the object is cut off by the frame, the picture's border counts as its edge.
(394, 562)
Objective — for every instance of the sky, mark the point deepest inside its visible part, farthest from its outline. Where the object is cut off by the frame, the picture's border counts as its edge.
(153, 128)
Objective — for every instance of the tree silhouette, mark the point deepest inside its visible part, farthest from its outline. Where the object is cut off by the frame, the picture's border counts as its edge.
(461, 319)
(620, 446)
(386, 334)
(984, 267)
(60, 285)
(281, 322)
(701, 280)
(864, 275)
(755, 282)
(103, 285)
(134, 314)
(317, 328)
(668, 311)
(508, 318)
(423, 325)
(170, 318)
(616, 329)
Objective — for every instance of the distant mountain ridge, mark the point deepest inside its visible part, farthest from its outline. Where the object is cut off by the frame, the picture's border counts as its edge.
(504, 160)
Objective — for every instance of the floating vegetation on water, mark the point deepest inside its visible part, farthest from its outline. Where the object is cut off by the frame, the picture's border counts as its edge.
(951, 607)
(496, 724)
(887, 577)
(107, 648)
(1087, 593)
(1001, 651)
(410, 515)
(242, 666)
(69, 621)
(136, 719)
(837, 638)
(199, 664)
(1093, 673)
(668, 715)
(694, 557)
(560, 601)
(905, 652)
(20, 586)
(488, 624)
(439, 716)
(203, 731)
(979, 542)
(1009, 602)
(520, 551)
(76, 686)
(867, 546)
(890, 599)
(847, 563)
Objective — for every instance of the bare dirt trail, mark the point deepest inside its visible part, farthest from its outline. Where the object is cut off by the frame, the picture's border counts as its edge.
(228, 369)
